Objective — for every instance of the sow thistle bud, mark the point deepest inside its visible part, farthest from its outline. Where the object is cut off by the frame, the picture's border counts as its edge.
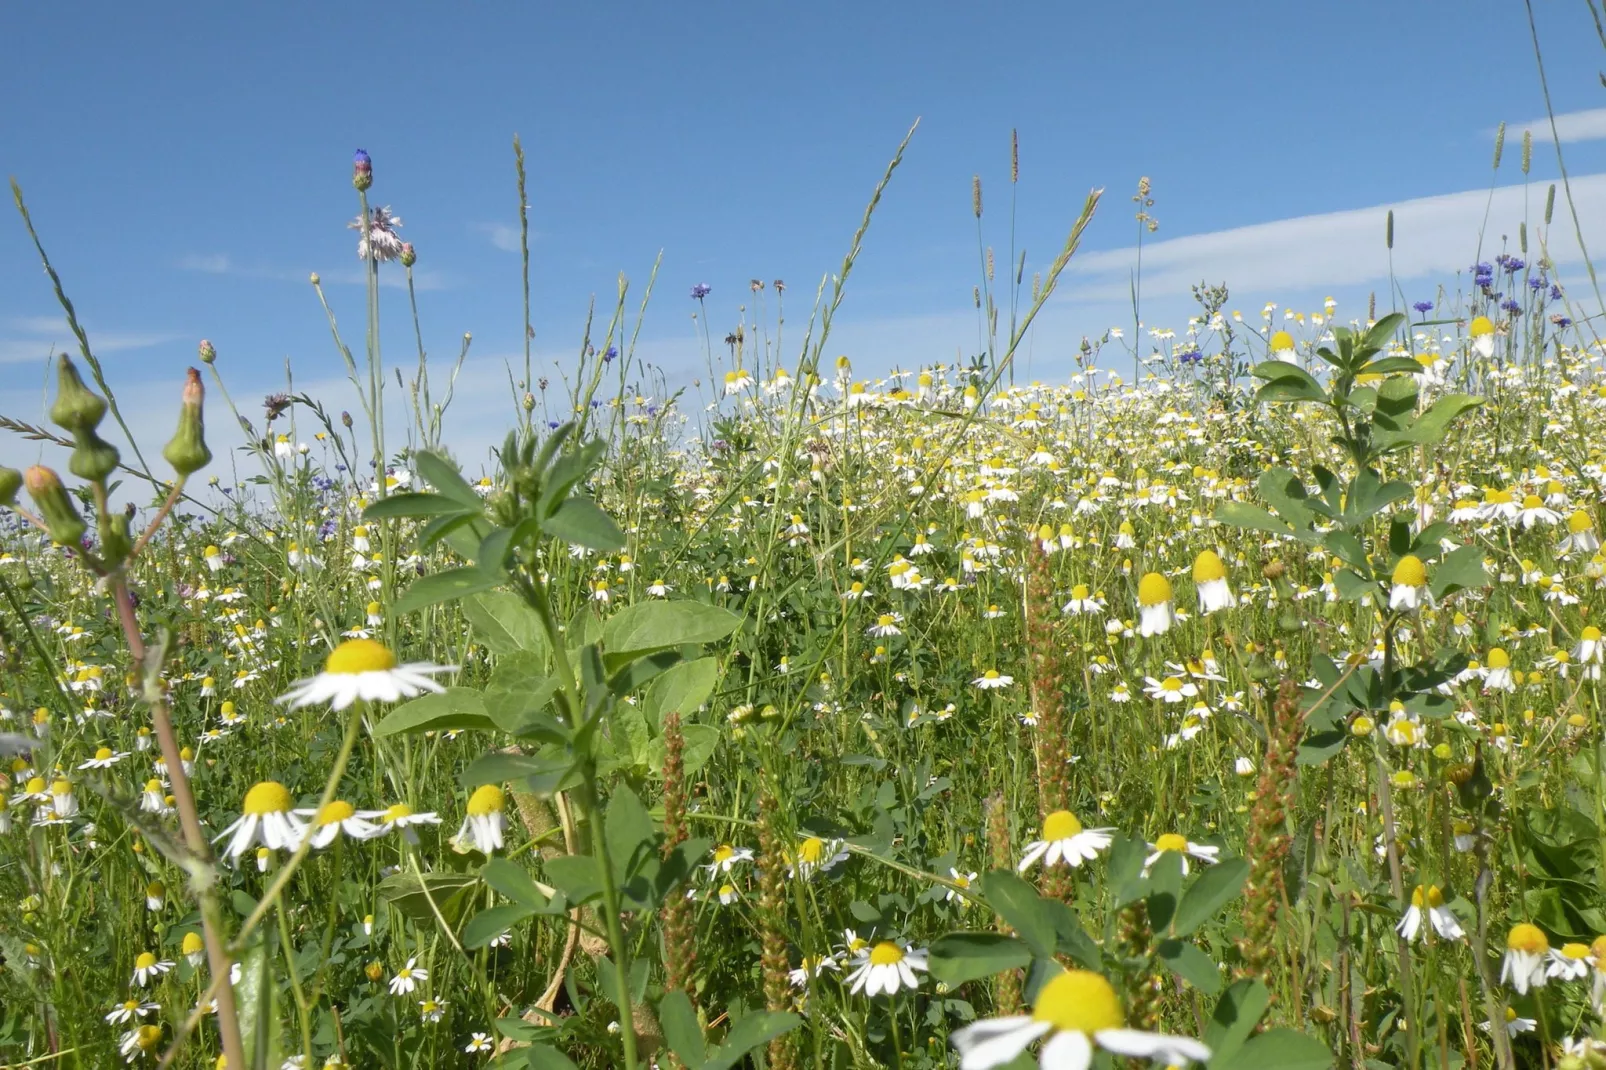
(77, 408)
(10, 483)
(115, 540)
(55, 507)
(187, 451)
(93, 458)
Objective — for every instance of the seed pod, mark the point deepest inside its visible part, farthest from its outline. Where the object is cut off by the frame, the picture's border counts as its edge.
(76, 407)
(115, 540)
(187, 452)
(93, 458)
(55, 507)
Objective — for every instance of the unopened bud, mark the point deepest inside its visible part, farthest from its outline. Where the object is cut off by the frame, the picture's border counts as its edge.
(314, 279)
(93, 458)
(187, 451)
(76, 407)
(208, 353)
(55, 507)
(10, 483)
(529, 401)
(115, 540)
(362, 170)
(408, 256)
(345, 420)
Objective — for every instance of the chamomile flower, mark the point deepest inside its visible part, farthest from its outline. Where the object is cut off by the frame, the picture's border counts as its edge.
(1527, 956)
(131, 1009)
(1569, 962)
(336, 818)
(963, 880)
(193, 948)
(885, 968)
(407, 978)
(268, 814)
(147, 968)
(479, 1044)
(139, 1042)
(1410, 583)
(104, 758)
(400, 817)
(1065, 840)
(1172, 843)
(815, 855)
(1429, 900)
(886, 625)
(1481, 333)
(1210, 577)
(726, 857)
(432, 1010)
(366, 670)
(1155, 615)
(482, 826)
(812, 966)
(992, 680)
(1077, 1011)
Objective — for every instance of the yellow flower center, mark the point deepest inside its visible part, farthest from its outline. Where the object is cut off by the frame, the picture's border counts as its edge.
(1208, 567)
(1061, 825)
(1079, 592)
(268, 797)
(148, 1037)
(886, 953)
(397, 812)
(1171, 842)
(1590, 634)
(145, 961)
(1481, 326)
(102, 753)
(1575, 952)
(335, 812)
(60, 787)
(1499, 659)
(1580, 522)
(487, 799)
(811, 850)
(192, 944)
(1526, 937)
(1079, 1001)
(1281, 340)
(359, 655)
(1410, 572)
(1153, 590)
(724, 853)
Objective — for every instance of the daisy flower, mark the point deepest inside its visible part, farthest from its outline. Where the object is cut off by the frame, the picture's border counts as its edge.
(1210, 577)
(1077, 1011)
(363, 669)
(407, 978)
(268, 813)
(139, 1041)
(992, 680)
(1515, 1026)
(1171, 843)
(1527, 951)
(886, 967)
(193, 948)
(483, 825)
(104, 758)
(1429, 900)
(964, 880)
(130, 1009)
(1155, 615)
(1410, 583)
(815, 855)
(1570, 962)
(812, 966)
(480, 1043)
(400, 816)
(726, 857)
(1064, 839)
(337, 817)
(432, 1010)
(148, 968)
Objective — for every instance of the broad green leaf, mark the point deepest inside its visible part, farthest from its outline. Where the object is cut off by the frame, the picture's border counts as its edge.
(442, 474)
(1164, 889)
(1018, 904)
(1216, 887)
(576, 876)
(448, 586)
(581, 522)
(1391, 366)
(1185, 960)
(255, 998)
(498, 767)
(410, 505)
(960, 957)
(1349, 549)
(456, 707)
(1237, 1013)
(682, 689)
(681, 1031)
(408, 894)
(540, 1056)
(510, 880)
(648, 626)
(701, 742)
(1278, 1049)
(639, 672)
(1462, 569)
(1284, 491)
(756, 1029)
(1352, 587)
(1244, 515)
(505, 623)
(631, 836)
(492, 922)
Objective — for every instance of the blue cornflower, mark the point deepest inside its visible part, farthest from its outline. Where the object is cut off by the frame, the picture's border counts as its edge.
(701, 290)
(1514, 264)
(613, 351)
(1190, 356)
(1555, 292)
(1512, 306)
(1537, 283)
(1423, 306)
(1562, 321)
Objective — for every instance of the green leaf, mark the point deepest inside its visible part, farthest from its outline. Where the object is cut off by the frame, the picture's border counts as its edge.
(498, 767)
(756, 1029)
(511, 881)
(1384, 329)
(1347, 548)
(1237, 1013)
(1252, 517)
(456, 707)
(1018, 904)
(399, 506)
(1462, 569)
(492, 922)
(582, 522)
(505, 623)
(442, 474)
(701, 742)
(960, 957)
(1286, 382)
(649, 626)
(1391, 366)
(412, 896)
(630, 834)
(681, 690)
(639, 672)
(1284, 491)
(1216, 887)
(1185, 960)
(1431, 427)
(1278, 1049)
(576, 876)
(681, 1031)
(448, 586)
(1352, 587)
(546, 1057)
(255, 998)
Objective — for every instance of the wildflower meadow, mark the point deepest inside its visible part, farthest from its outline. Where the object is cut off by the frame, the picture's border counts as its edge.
(1232, 700)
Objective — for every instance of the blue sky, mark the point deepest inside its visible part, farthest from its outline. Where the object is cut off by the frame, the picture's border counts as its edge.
(188, 167)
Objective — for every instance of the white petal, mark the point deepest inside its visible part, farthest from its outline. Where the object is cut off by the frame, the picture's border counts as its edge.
(1151, 1045)
(995, 1041)
(1069, 1050)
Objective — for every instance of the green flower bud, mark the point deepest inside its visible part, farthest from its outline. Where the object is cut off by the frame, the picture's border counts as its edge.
(55, 507)
(208, 352)
(115, 540)
(93, 458)
(76, 407)
(10, 483)
(187, 452)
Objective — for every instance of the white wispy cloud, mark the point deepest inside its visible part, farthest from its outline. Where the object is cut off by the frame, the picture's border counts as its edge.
(207, 263)
(32, 338)
(1434, 237)
(1586, 125)
(502, 235)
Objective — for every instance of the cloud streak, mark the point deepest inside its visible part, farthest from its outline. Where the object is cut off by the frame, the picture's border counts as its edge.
(1572, 126)
(501, 235)
(35, 338)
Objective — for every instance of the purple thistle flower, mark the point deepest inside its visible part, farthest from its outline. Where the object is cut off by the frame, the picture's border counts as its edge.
(701, 290)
